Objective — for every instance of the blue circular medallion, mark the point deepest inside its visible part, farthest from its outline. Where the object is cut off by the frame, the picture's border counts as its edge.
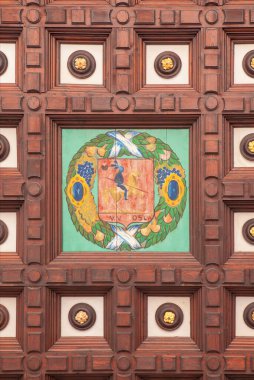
(77, 191)
(173, 190)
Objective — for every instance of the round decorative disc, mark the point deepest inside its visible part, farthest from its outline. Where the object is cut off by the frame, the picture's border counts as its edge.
(4, 317)
(169, 316)
(3, 63)
(248, 231)
(247, 147)
(81, 64)
(3, 232)
(4, 148)
(248, 63)
(167, 64)
(82, 316)
(248, 315)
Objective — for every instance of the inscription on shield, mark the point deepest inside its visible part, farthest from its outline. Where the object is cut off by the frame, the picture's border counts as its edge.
(125, 190)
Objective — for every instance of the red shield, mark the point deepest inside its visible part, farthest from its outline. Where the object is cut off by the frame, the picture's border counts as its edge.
(126, 190)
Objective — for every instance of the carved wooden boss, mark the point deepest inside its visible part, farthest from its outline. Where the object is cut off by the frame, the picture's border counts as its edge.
(127, 189)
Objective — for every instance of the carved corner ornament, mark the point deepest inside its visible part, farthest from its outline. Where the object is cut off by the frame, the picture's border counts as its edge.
(169, 316)
(167, 64)
(82, 316)
(81, 64)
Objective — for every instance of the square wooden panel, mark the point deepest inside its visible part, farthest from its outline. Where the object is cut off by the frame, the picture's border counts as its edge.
(61, 333)
(97, 53)
(94, 42)
(10, 160)
(59, 137)
(11, 45)
(12, 247)
(238, 336)
(166, 41)
(187, 300)
(236, 48)
(12, 337)
(238, 160)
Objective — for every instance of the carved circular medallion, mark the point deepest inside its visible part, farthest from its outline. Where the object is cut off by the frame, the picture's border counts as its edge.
(167, 64)
(34, 189)
(3, 63)
(169, 316)
(4, 148)
(81, 64)
(248, 63)
(247, 147)
(248, 231)
(82, 316)
(3, 232)
(34, 103)
(4, 317)
(248, 315)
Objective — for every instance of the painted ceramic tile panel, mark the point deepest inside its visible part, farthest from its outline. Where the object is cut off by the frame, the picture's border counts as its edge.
(125, 190)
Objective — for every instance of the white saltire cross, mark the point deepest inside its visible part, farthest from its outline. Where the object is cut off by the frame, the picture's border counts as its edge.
(125, 141)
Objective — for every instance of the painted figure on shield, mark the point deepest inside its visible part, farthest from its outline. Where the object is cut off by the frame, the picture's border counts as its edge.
(119, 180)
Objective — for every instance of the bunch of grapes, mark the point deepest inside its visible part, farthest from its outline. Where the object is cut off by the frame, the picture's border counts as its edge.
(86, 171)
(164, 172)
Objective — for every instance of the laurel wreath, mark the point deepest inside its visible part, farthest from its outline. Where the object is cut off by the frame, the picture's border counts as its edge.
(167, 213)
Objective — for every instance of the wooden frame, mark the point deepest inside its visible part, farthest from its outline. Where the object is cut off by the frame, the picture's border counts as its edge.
(54, 152)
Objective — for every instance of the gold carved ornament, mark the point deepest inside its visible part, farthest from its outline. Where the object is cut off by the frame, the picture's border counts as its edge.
(252, 63)
(81, 317)
(251, 145)
(167, 63)
(80, 63)
(169, 317)
(252, 231)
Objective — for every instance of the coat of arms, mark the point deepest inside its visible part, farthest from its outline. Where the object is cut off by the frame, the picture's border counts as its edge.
(111, 190)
